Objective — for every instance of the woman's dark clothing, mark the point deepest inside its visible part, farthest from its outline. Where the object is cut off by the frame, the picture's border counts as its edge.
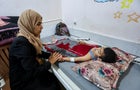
(25, 71)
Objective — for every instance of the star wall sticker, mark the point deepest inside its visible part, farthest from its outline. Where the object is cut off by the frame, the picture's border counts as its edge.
(133, 17)
(126, 3)
(117, 14)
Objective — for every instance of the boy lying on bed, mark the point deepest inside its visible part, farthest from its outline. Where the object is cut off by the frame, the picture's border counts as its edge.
(105, 54)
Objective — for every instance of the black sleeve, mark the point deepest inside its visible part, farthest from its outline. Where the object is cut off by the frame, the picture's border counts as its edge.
(44, 55)
(25, 54)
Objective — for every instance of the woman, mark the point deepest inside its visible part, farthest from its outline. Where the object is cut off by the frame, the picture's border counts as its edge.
(28, 68)
(104, 54)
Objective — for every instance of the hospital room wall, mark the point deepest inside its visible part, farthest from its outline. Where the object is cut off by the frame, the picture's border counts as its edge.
(49, 9)
(110, 19)
(87, 15)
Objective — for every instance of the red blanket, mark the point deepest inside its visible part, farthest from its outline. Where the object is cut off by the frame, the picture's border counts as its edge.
(78, 49)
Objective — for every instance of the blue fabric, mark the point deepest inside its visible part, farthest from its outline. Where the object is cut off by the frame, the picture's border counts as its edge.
(92, 55)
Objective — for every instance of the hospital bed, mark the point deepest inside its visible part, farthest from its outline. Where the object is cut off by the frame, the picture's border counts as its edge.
(73, 81)
(70, 80)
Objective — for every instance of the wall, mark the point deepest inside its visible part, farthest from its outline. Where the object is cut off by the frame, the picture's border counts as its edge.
(85, 16)
(72, 10)
(49, 9)
(111, 19)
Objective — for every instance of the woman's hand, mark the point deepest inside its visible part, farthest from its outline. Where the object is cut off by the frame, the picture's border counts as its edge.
(54, 57)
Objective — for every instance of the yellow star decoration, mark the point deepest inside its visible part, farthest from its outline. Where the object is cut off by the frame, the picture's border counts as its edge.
(117, 14)
(126, 3)
(133, 17)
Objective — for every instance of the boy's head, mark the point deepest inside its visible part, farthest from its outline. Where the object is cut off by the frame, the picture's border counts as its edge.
(109, 56)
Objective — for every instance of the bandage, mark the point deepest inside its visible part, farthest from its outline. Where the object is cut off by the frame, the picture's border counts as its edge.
(72, 59)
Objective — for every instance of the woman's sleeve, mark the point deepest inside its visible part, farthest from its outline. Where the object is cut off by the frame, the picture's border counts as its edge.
(44, 55)
(26, 54)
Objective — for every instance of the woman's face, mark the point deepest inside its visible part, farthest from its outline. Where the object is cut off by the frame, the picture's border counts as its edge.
(38, 29)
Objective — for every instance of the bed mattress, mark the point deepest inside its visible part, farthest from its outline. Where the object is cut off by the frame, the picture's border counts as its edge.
(129, 80)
